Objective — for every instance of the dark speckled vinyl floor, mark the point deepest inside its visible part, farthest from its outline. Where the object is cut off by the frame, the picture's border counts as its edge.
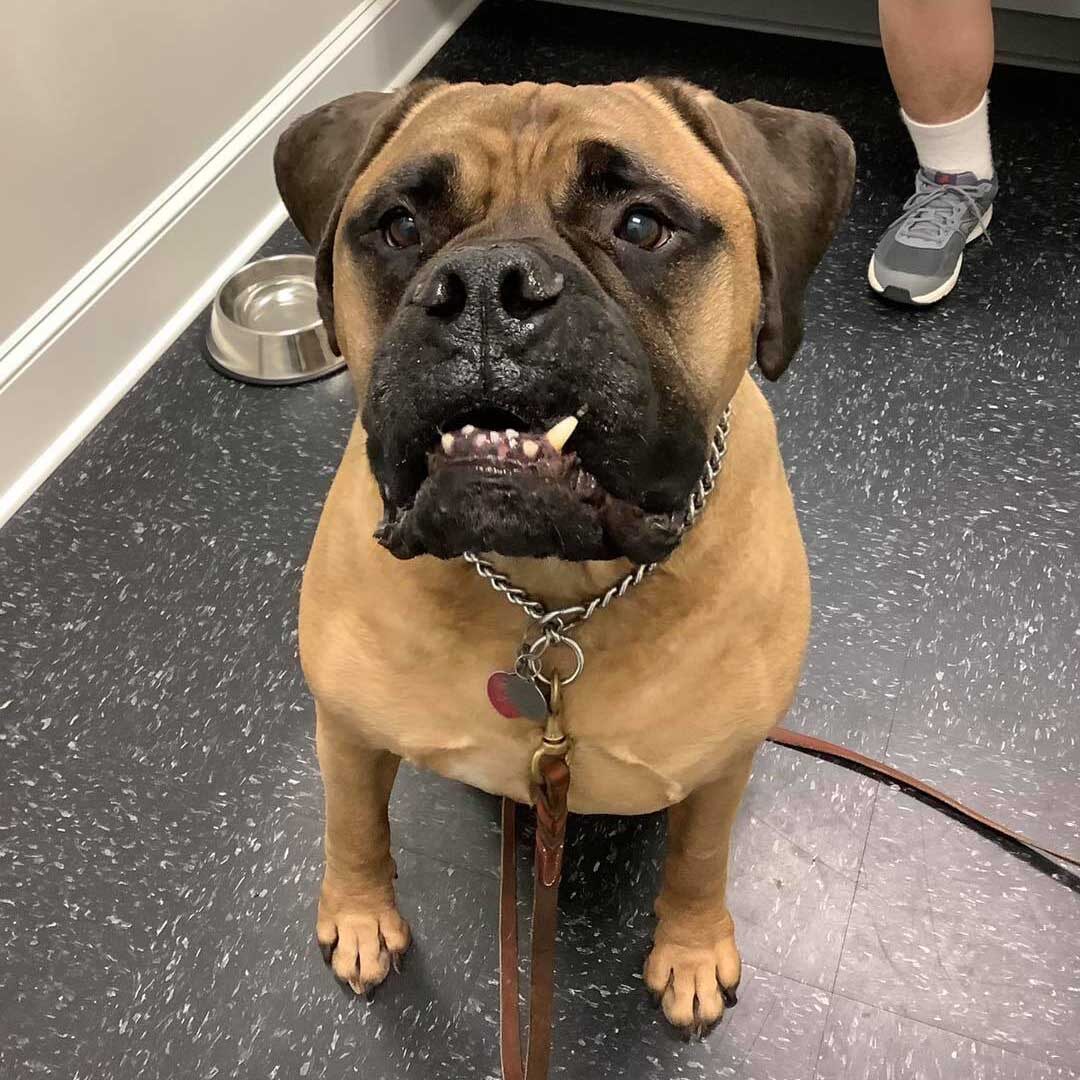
(160, 805)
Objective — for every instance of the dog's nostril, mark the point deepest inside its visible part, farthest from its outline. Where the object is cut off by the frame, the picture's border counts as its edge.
(522, 292)
(511, 297)
(444, 294)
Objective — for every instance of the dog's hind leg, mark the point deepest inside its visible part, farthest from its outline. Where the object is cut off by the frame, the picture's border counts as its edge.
(694, 966)
(359, 929)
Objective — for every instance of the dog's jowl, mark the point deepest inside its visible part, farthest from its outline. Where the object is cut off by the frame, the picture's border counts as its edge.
(548, 296)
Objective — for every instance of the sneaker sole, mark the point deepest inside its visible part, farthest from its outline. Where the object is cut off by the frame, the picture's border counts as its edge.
(902, 296)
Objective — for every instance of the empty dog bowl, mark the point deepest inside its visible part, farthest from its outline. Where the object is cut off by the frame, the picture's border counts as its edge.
(265, 325)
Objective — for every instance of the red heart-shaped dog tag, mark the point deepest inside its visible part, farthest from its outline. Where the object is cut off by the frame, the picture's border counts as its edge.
(513, 696)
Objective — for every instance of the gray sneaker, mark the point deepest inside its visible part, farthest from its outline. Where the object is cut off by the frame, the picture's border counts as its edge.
(918, 259)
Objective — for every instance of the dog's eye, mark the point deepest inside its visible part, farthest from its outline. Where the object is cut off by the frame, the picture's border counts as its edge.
(400, 230)
(642, 228)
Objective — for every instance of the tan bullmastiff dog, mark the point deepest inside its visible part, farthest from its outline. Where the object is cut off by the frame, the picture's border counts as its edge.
(496, 262)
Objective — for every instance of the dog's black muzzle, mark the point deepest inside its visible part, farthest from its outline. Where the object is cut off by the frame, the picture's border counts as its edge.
(506, 335)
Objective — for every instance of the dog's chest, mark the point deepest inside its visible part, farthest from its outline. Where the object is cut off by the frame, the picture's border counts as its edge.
(615, 778)
(637, 744)
(607, 777)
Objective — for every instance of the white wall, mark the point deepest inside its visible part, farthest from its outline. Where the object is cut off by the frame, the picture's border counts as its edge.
(104, 102)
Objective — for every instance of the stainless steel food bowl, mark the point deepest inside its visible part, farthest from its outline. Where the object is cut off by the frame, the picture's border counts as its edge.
(265, 325)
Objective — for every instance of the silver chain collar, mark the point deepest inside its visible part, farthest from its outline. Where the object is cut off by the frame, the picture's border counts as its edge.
(555, 625)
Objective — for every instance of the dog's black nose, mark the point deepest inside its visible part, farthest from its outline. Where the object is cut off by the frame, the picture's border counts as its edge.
(512, 282)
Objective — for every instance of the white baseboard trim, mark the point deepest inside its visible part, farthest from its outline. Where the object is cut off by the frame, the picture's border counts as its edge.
(73, 360)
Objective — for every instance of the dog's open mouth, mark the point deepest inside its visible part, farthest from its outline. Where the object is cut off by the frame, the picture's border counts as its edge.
(498, 453)
(520, 493)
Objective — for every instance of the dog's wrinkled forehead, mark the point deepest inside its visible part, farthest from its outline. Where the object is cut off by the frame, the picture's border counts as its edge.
(497, 149)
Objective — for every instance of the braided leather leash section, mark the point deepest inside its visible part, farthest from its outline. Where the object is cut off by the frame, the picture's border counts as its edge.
(551, 815)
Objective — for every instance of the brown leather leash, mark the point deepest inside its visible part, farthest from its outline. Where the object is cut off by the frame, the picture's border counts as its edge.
(811, 744)
(551, 790)
(551, 775)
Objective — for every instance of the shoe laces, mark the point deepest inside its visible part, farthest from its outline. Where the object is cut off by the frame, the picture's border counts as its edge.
(936, 211)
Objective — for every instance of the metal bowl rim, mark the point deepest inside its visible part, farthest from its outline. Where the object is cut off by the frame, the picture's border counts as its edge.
(295, 331)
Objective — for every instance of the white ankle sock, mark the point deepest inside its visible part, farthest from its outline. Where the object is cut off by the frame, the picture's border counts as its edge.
(959, 146)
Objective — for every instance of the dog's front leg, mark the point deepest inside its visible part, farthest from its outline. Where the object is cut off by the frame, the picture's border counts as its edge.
(359, 929)
(694, 965)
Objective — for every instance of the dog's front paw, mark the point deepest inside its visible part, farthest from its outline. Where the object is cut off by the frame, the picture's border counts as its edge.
(693, 970)
(359, 939)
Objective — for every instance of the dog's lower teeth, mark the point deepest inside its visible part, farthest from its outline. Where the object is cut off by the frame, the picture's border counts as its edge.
(471, 444)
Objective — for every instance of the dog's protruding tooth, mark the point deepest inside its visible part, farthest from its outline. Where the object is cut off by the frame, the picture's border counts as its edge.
(480, 439)
(559, 435)
(468, 429)
(448, 443)
(530, 448)
(511, 433)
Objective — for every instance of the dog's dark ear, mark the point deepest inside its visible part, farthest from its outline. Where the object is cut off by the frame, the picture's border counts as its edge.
(797, 170)
(318, 159)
